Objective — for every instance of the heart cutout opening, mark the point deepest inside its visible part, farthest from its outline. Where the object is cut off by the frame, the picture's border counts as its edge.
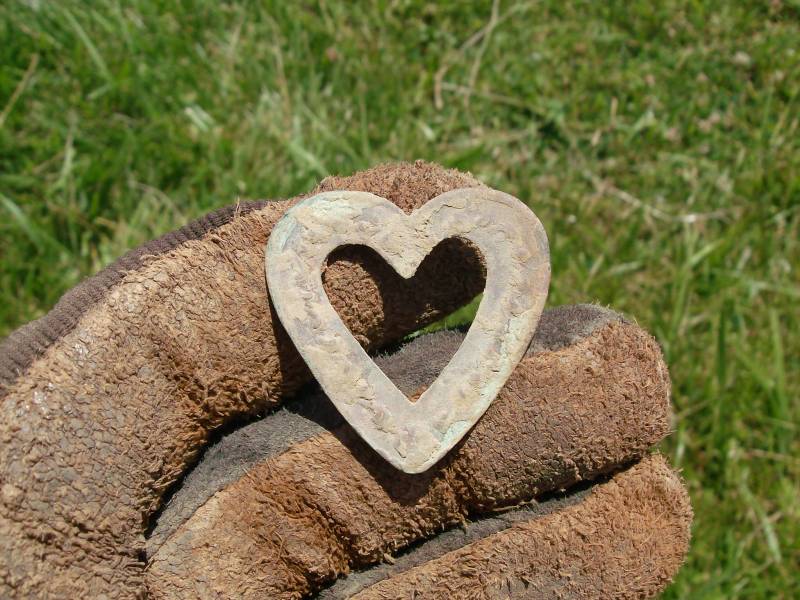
(443, 293)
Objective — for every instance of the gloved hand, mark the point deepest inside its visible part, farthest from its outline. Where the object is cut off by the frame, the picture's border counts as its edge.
(110, 398)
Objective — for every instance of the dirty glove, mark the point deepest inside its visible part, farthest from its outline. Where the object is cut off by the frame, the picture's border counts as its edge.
(109, 399)
(282, 507)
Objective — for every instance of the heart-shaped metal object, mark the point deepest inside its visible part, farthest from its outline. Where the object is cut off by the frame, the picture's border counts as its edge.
(411, 435)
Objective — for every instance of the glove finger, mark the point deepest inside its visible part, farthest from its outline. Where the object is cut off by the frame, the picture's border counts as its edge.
(107, 399)
(625, 538)
(591, 395)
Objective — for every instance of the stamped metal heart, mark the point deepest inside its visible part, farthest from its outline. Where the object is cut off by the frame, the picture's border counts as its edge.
(412, 436)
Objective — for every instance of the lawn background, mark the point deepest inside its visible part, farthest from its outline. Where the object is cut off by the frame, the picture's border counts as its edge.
(659, 143)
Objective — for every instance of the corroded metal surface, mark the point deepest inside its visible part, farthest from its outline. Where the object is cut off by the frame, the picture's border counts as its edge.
(411, 436)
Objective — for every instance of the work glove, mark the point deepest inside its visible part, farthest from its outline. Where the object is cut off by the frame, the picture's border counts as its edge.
(128, 468)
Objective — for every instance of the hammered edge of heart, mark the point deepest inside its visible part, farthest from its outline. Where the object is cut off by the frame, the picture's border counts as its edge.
(513, 245)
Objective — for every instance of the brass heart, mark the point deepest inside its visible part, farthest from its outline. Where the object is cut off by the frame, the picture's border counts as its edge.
(411, 436)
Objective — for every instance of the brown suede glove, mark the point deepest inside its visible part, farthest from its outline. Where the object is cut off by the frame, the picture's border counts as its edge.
(109, 399)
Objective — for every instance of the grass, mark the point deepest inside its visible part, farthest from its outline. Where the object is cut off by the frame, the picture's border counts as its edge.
(659, 142)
